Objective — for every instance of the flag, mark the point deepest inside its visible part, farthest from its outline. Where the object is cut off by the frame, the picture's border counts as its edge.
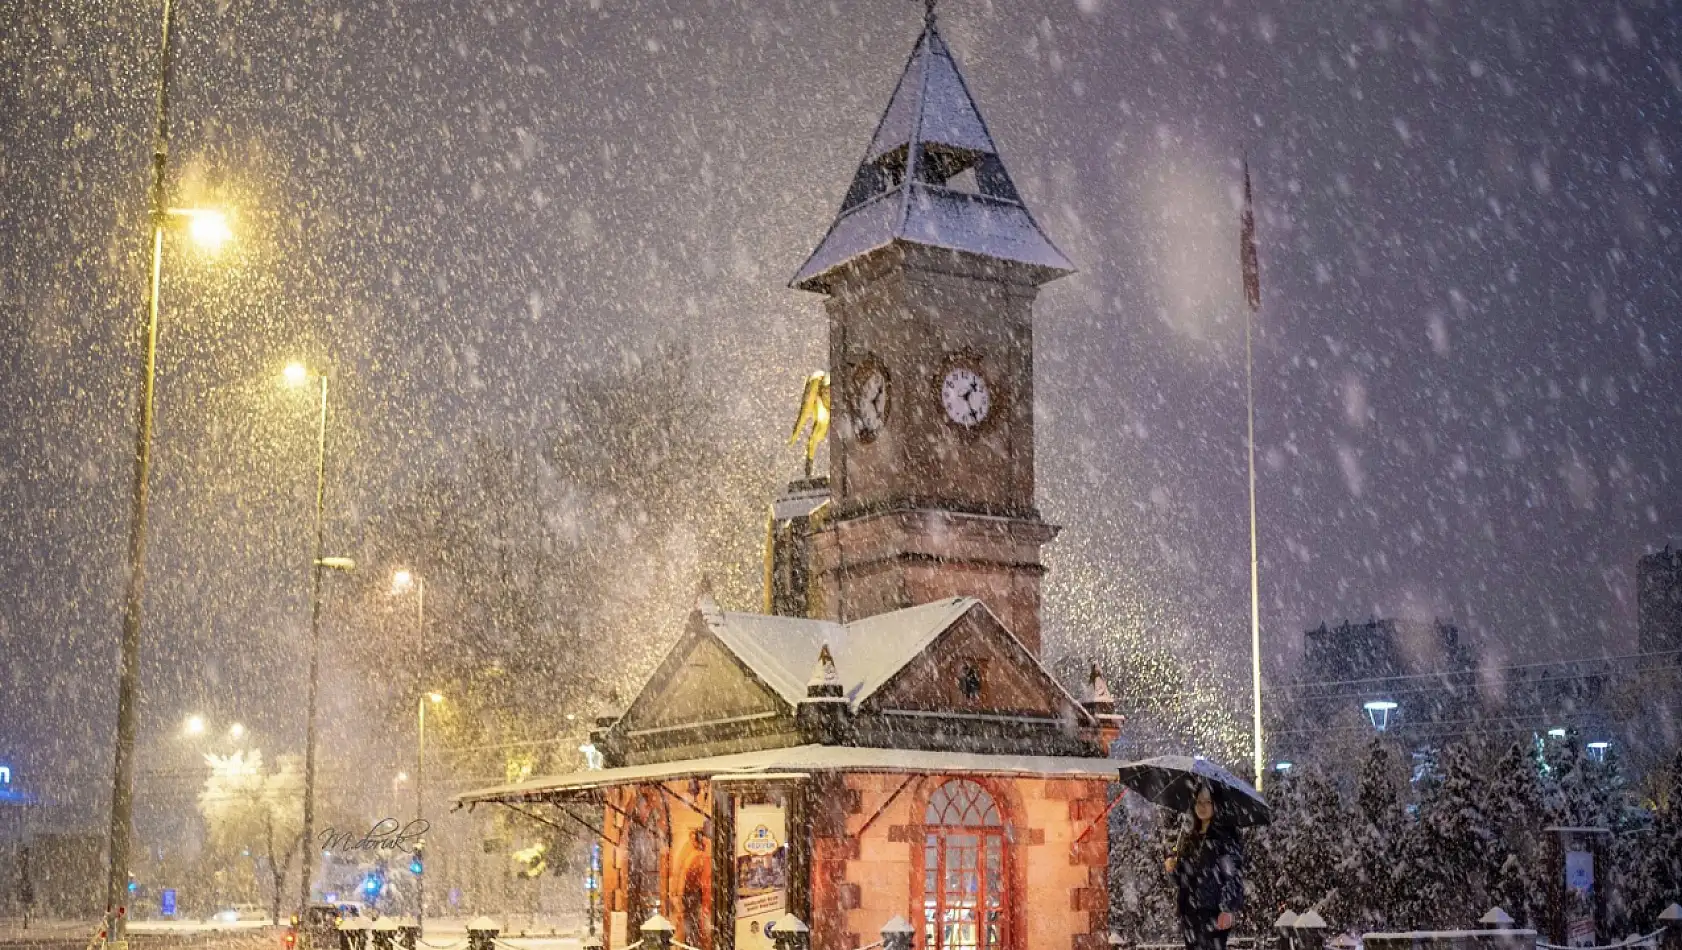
(1247, 247)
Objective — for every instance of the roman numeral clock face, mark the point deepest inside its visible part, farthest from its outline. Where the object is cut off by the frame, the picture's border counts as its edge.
(966, 397)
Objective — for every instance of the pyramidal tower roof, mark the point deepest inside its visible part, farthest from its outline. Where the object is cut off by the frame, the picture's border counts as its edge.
(932, 176)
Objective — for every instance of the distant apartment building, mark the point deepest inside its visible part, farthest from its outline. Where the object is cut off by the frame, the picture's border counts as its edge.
(1421, 684)
(1659, 602)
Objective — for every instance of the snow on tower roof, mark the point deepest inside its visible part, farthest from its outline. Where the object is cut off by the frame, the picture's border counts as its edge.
(958, 197)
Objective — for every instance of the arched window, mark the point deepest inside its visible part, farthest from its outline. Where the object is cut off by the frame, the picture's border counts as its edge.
(964, 882)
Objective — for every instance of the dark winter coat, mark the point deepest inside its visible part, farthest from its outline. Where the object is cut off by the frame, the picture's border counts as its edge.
(1209, 875)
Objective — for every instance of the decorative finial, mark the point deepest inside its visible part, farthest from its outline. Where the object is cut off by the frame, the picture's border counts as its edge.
(928, 13)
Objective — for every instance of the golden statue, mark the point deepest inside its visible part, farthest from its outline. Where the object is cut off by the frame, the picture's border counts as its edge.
(814, 409)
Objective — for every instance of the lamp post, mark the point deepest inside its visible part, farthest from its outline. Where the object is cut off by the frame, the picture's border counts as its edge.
(297, 374)
(1378, 712)
(402, 582)
(420, 767)
(210, 229)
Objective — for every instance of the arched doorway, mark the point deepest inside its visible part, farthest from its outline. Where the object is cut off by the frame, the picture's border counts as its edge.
(695, 914)
(966, 900)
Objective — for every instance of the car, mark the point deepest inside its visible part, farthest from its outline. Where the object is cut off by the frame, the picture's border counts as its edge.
(320, 923)
(235, 913)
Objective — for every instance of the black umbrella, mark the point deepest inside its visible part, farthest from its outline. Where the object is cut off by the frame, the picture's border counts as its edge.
(1172, 781)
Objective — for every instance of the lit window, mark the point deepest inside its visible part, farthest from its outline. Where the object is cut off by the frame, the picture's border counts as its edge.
(964, 881)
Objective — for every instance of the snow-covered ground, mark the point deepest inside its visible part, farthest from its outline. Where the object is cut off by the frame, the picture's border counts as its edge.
(541, 932)
(215, 935)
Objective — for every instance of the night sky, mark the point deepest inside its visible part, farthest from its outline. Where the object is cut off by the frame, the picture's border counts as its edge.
(1468, 400)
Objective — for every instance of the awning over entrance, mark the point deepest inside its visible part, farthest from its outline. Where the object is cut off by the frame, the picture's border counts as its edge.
(793, 762)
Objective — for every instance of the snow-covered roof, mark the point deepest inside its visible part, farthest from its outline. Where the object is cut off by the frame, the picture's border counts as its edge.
(800, 760)
(906, 187)
(866, 653)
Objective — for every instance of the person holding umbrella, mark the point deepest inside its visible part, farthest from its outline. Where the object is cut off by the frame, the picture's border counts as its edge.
(1208, 864)
(1208, 870)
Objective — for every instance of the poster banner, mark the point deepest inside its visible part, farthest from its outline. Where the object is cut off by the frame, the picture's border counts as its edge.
(1579, 899)
(761, 873)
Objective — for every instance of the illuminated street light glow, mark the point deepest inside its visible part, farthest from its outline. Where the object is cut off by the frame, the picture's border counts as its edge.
(210, 230)
(435, 697)
(296, 374)
(1378, 712)
(401, 581)
(236, 731)
(1556, 733)
(194, 726)
(207, 227)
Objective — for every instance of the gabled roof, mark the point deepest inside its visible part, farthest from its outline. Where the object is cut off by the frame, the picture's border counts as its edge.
(957, 194)
(867, 653)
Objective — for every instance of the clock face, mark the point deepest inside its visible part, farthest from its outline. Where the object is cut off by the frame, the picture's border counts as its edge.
(870, 403)
(965, 395)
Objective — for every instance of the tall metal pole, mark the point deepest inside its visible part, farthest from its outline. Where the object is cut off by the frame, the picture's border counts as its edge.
(317, 567)
(420, 763)
(128, 664)
(1255, 584)
(420, 748)
(1251, 267)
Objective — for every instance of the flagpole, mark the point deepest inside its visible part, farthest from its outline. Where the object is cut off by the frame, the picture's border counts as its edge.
(1255, 585)
(1252, 295)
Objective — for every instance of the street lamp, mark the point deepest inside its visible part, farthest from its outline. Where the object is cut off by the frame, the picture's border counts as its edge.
(1378, 713)
(404, 581)
(194, 726)
(203, 227)
(236, 731)
(297, 374)
(207, 227)
(430, 699)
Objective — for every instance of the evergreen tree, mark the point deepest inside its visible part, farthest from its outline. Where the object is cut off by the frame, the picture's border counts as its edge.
(1517, 816)
(1142, 904)
(1302, 859)
(1380, 825)
(1569, 788)
(1448, 869)
(1656, 866)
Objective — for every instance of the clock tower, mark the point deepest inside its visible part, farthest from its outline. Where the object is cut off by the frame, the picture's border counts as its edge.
(930, 269)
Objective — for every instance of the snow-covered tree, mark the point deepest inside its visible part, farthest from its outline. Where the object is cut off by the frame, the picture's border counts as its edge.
(1142, 906)
(1655, 856)
(1380, 826)
(1517, 816)
(252, 810)
(1570, 790)
(1449, 850)
(1304, 857)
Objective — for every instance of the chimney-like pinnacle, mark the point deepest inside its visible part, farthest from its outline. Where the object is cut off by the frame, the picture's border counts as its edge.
(824, 683)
